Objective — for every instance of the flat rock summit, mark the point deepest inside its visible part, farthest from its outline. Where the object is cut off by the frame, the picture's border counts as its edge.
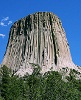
(38, 39)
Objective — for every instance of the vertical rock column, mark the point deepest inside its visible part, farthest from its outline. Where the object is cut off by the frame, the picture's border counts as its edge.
(40, 39)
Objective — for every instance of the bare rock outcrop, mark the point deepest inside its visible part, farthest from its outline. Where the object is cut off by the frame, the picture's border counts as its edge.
(38, 39)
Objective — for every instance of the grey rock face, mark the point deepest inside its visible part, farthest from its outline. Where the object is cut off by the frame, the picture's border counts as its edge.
(40, 39)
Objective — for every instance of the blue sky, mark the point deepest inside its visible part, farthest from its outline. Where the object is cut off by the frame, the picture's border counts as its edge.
(69, 11)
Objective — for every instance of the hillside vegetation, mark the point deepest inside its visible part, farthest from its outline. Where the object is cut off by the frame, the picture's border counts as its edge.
(49, 86)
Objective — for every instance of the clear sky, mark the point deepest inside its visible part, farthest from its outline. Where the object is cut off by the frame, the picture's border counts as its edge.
(69, 11)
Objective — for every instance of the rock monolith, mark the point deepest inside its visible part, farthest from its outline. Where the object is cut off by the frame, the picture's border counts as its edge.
(38, 39)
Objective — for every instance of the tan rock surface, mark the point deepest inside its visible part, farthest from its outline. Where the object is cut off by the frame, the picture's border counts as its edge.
(40, 39)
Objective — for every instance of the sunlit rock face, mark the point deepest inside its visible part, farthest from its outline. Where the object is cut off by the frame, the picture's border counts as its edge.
(38, 39)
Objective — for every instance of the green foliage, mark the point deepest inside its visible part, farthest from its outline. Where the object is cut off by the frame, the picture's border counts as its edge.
(49, 86)
(5, 82)
(1, 98)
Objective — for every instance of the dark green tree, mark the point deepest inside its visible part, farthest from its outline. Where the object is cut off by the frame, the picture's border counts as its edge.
(5, 82)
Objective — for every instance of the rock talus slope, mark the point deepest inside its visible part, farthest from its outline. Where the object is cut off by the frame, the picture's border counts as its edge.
(38, 39)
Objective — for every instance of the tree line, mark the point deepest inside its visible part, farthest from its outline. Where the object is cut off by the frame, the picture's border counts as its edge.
(49, 86)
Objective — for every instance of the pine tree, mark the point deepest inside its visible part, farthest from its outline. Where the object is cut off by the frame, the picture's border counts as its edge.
(5, 82)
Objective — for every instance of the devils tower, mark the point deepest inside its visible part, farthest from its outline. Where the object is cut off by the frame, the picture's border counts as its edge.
(38, 39)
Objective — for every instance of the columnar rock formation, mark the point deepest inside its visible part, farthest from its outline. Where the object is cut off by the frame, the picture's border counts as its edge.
(38, 39)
